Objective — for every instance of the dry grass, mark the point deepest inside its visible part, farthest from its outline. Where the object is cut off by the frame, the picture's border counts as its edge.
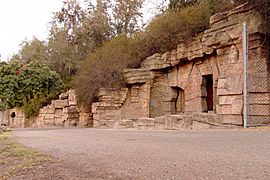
(16, 159)
(19, 162)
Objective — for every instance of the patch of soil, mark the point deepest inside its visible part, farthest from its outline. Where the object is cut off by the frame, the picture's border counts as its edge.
(18, 162)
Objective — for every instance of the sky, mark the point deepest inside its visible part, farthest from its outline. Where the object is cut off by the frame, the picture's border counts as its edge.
(24, 19)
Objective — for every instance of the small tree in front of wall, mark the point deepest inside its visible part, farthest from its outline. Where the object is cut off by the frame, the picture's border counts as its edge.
(29, 86)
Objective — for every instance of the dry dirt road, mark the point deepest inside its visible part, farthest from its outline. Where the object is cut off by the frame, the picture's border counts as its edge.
(131, 154)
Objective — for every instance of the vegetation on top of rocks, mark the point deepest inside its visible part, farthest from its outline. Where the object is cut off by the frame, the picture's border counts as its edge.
(167, 30)
(102, 68)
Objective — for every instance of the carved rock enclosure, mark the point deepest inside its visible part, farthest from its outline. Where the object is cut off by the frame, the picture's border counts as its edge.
(196, 85)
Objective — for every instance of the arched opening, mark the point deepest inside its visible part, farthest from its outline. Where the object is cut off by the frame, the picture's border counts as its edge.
(13, 115)
(178, 101)
(207, 91)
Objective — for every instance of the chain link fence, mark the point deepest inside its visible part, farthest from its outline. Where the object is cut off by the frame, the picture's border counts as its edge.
(257, 98)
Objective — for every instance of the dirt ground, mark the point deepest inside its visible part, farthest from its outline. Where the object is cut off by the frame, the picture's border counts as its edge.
(72, 154)
(18, 162)
(139, 154)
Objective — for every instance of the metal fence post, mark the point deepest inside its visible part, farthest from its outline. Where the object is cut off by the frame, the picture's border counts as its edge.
(245, 59)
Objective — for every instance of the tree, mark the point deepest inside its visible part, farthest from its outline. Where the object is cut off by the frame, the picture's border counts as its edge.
(179, 4)
(62, 55)
(77, 32)
(71, 19)
(85, 29)
(32, 51)
(27, 85)
(126, 16)
(100, 29)
(68, 41)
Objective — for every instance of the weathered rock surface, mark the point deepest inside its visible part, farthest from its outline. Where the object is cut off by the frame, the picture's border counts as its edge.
(136, 76)
(61, 113)
(146, 123)
(107, 107)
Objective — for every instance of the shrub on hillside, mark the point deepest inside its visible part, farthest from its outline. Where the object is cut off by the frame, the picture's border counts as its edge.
(167, 30)
(103, 68)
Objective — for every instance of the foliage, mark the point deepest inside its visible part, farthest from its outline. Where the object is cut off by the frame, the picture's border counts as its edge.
(84, 30)
(27, 85)
(96, 43)
(179, 4)
(62, 56)
(103, 67)
(126, 15)
(254, 2)
(70, 19)
(76, 31)
(67, 84)
(167, 30)
(32, 51)
(100, 29)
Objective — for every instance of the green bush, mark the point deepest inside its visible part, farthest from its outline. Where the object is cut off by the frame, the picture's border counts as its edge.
(29, 86)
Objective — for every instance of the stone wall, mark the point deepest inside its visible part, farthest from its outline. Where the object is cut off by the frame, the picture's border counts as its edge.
(14, 118)
(197, 83)
(63, 112)
(110, 101)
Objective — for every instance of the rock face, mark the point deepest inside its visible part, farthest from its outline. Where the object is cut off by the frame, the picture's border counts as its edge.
(197, 84)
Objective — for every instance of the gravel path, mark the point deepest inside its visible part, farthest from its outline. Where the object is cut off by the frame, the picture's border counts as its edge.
(131, 154)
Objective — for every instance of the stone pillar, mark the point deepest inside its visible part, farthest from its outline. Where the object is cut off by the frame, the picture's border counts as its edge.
(85, 117)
